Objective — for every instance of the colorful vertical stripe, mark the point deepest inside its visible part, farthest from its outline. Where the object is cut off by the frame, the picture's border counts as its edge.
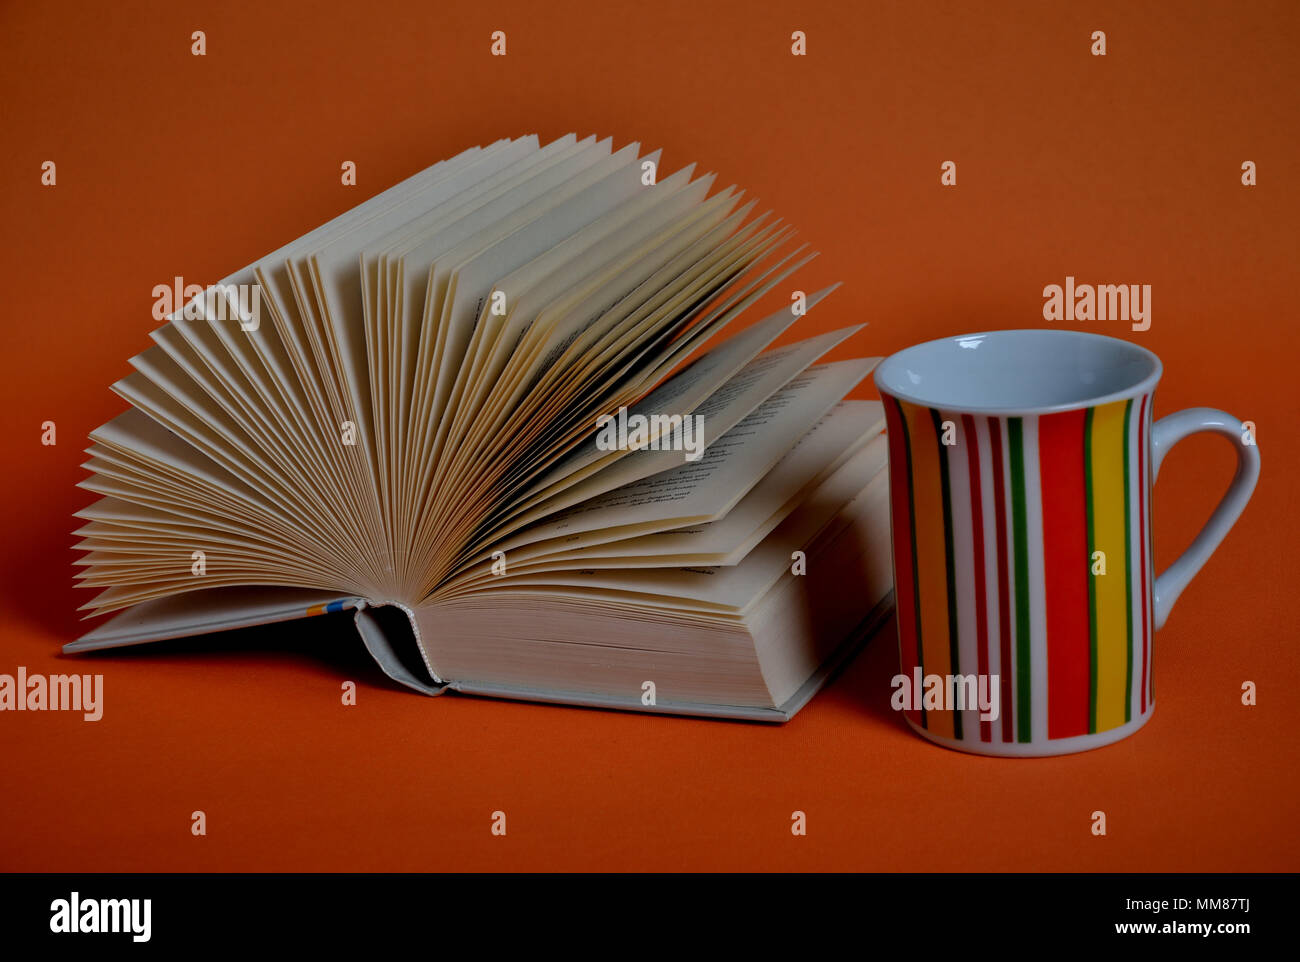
(970, 451)
(945, 430)
(1109, 504)
(1128, 565)
(1020, 542)
(1144, 539)
(1069, 586)
(904, 536)
(1022, 550)
(930, 551)
(1004, 579)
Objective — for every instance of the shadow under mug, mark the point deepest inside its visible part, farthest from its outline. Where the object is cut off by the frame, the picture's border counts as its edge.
(1021, 465)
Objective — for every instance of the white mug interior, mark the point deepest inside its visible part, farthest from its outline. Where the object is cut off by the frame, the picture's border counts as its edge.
(1019, 372)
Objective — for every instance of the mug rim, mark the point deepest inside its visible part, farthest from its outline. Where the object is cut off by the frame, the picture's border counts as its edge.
(1144, 386)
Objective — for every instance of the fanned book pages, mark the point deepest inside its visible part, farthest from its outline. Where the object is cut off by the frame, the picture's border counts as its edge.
(504, 413)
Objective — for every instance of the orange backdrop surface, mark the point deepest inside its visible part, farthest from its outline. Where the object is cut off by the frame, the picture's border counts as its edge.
(1117, 169)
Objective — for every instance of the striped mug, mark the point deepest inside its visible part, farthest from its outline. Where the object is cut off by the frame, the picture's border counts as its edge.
(1021, 465)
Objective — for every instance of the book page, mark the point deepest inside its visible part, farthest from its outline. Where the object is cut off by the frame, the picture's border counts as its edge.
(705, 489)
(838, 436)
(851, 491)
(760, 380)
(499, 372)
(477, 263)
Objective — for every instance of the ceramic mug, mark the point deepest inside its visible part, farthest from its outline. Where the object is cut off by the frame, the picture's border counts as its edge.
(1021, 466)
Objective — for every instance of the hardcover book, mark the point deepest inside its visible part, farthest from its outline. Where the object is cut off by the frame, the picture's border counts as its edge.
(496, 413)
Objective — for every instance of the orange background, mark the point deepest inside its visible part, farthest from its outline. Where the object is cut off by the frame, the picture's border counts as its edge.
(1116, 169)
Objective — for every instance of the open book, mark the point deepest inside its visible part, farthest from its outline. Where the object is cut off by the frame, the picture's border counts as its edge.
(487, 410)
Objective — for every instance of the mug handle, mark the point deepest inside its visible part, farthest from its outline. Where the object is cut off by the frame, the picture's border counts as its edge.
(1167, 432)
